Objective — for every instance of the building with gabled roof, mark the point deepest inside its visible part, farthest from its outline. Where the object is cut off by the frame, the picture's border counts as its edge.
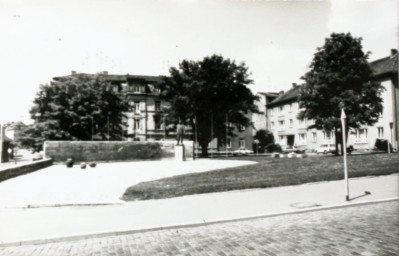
(290, 131)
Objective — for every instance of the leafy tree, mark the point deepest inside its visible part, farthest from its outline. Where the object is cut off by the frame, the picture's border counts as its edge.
(265, 138)
(340, 77)
(73, 109)
(211, 91)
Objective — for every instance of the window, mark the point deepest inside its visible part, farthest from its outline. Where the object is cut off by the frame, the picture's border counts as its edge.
(137, 124)
(130, 126)
(281, 139)
(281, 124)
(272, 125)
(228, 144)
(138, 88)
(328, 138)
(380, 132)
(137, 105)
(281, 108)
(242, 128)
(290, 107)
(124, 86)
(291, 123)
(302, 139)
(301, 122)
(157, 122)
(132, 107)
(242, 143)
(157, 105)
(314, 137)
(361, 136)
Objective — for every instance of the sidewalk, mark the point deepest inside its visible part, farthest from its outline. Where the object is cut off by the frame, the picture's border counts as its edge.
(104, 184)
(56, 222)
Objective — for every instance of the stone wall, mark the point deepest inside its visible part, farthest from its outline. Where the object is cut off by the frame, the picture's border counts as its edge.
(104, 151)
(14, 171)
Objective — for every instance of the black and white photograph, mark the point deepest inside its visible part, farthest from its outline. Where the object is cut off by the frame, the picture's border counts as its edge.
(199, 127)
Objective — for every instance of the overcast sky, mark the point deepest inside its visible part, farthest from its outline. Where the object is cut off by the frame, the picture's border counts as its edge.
(45, 38)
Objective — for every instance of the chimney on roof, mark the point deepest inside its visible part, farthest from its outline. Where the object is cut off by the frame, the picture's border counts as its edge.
(73, 72)
(294, 85)
(393, 52)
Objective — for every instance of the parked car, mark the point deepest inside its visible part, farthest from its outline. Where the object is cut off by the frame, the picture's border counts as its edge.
(243, 151)
(325, 149)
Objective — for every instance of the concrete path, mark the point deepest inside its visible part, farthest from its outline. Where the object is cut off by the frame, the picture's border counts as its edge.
(54, 222)
(371, 229)
(104, 184)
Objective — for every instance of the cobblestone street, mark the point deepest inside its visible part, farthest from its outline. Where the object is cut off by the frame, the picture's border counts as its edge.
(361, 230)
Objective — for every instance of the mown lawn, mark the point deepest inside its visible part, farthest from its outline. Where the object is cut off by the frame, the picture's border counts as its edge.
(269, 172)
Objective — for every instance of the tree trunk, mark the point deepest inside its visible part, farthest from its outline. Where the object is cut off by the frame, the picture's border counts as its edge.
(204, 149)
(336, 141)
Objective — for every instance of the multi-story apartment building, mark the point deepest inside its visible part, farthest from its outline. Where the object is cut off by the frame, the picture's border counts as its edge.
(146, 112)
(290, 131)
(260, 120)
(145, 116)
(243, 139)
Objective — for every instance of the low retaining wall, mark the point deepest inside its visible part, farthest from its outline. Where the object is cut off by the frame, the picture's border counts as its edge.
(14, 171)
(86, 151)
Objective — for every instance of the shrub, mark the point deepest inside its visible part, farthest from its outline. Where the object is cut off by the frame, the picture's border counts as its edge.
(382, 145)
(273, 148)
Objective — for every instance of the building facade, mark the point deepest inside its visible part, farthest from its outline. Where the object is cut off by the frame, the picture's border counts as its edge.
(290, 131)
(260, 120)
(145, 119)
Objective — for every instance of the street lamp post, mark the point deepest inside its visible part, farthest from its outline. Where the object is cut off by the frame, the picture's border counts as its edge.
(343, 121)
(108, 126)
(211, 135)
(227, 128)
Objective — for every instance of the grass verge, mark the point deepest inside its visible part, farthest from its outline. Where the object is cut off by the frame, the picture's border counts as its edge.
(269, 172)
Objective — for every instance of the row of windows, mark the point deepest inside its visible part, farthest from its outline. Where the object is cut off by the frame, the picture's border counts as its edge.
(361, 136)
(281, 108)
(241, 143)
(281, 123)
(136, 106)
(136, 124)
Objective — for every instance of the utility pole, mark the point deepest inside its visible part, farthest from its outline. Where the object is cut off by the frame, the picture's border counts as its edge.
(227, 128)
(195, 134)
(343, 121)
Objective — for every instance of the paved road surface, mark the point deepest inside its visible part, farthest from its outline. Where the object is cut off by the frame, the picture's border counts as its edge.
(362, 230)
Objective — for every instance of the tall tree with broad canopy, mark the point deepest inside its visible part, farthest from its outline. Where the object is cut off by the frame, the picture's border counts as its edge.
(340, 77)
(77, 108)
(210, 93)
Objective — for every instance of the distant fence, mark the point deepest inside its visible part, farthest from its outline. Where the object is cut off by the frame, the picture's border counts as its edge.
(14, 171)
(86, 151)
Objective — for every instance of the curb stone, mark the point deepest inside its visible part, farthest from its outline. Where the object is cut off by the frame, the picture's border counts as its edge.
(191, 225)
